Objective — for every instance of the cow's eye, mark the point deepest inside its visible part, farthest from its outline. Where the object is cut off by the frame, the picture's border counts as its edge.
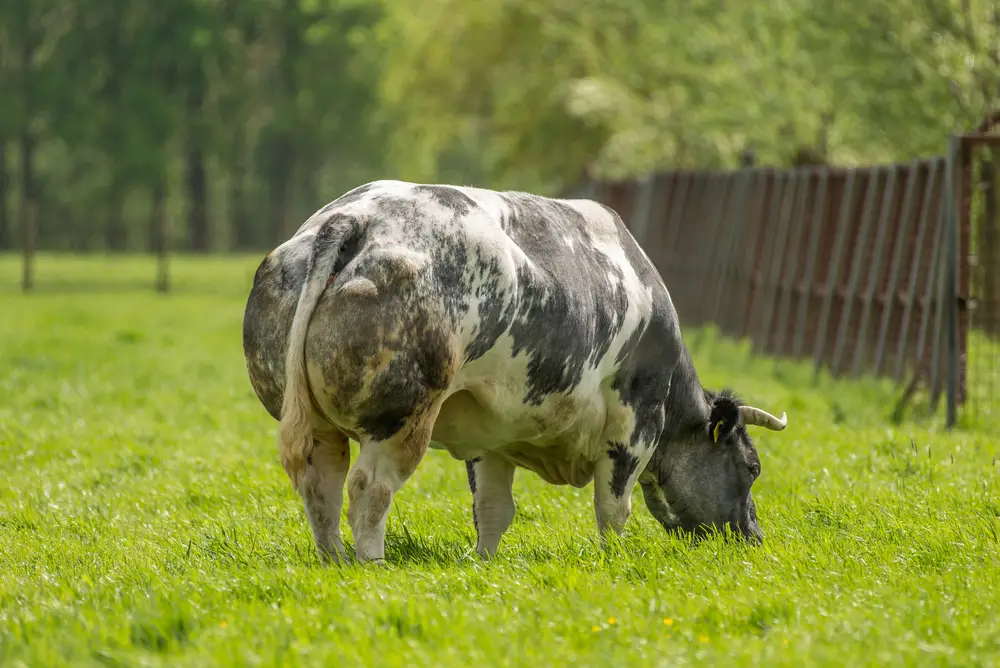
(754, 469)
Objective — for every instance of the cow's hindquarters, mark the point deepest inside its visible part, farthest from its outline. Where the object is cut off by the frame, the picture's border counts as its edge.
(380, 471)
(380, 360)
(295, 437)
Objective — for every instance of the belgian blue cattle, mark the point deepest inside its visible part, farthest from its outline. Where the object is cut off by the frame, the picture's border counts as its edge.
(509, 329)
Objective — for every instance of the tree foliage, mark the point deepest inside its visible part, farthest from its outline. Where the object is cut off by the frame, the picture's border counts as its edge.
(627, 87)
(237, 108)
(241, 117)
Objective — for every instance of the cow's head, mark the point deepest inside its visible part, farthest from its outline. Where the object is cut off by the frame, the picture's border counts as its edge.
(701, 478)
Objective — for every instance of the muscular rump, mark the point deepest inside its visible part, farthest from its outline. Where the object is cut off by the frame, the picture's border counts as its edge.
(378, 349)
(266, 324)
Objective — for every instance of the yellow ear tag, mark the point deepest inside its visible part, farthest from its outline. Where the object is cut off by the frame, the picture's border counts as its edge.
(715, 432)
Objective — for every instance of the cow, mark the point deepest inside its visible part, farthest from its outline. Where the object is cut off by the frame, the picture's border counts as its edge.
(509, 329)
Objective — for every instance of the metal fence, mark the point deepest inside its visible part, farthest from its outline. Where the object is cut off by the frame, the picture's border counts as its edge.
(979, 163)
(860, 270)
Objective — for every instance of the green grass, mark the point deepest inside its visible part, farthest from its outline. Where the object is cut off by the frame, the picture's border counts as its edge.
(144, 519)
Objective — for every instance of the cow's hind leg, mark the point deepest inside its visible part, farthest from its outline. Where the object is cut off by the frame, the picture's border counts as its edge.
(322, 491)
(491, 481)
(380, 471)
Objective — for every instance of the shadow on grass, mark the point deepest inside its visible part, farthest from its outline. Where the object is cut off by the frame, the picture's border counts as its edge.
(403, 547)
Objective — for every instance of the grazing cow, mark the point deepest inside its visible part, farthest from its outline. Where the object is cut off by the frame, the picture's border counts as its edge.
(509, 329)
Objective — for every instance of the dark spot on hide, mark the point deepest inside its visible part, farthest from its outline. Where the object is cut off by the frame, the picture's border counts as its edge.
(448, 197)
(570, 304)
(625, 463)
(470, 469)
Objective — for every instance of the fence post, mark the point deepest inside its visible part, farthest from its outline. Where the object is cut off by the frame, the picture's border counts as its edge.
(714, 248)
(819, 211)
(862, 240)
(765, 181)
(639, 225)
(875, 273)
(933, 278)
(689, 240)
(940, 328)
(736, 225)
(954, 148)
(664, 191)
(777, 259)
(911, 291)
(897, 255)
(833, 274)
(760, 270)
(793, 250)
(676, 215)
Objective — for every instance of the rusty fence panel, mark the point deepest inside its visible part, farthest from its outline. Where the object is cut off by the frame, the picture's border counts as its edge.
(847, 267)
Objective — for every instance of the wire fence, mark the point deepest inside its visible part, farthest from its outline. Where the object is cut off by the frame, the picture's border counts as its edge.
(855, 269)
(981, 165)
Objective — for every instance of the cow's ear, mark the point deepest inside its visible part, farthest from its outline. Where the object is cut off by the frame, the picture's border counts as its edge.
(724, 417)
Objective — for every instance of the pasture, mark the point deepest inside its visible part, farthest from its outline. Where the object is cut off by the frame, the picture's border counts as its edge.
(145, 520)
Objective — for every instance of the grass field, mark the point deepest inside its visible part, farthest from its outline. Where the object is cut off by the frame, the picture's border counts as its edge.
(144, 519)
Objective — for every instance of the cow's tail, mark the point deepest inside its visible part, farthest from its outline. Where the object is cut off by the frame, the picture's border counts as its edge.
(295, 432)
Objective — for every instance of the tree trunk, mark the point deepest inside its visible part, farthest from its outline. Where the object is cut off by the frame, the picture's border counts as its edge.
(29, 209)
(115, 232)
(157, 191)
(310, 188)
(285, 149)
(197, 188)
(196, 176)
(5, 232)
(114, 138)
(159, 234)
(280, 186)
(242, 234)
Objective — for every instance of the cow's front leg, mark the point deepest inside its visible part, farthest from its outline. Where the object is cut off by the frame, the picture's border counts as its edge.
(491, 481)
(615, 476)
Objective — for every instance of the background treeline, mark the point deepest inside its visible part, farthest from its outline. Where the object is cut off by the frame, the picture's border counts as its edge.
(235, 119)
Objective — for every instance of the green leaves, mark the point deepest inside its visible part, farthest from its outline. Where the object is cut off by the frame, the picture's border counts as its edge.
(624, 88)
(293, 101)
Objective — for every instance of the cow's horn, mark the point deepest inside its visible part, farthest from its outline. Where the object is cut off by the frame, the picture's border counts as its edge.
(762, 418)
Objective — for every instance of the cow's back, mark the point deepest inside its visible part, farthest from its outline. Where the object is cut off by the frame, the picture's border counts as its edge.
(518, 307)
(568, 295)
